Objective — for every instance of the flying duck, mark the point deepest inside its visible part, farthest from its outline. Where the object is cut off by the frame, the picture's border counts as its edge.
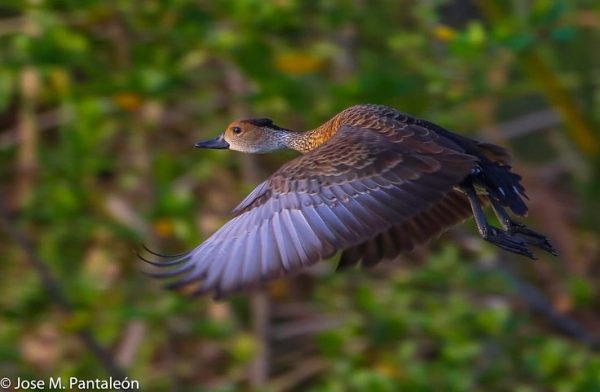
(371, 182)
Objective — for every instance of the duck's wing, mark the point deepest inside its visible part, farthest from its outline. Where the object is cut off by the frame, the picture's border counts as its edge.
(356, 185)
(427, 224)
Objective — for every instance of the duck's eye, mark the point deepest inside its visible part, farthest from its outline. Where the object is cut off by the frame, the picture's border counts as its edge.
(236, 130)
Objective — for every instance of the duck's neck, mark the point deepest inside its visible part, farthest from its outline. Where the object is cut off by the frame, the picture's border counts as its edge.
(307, 141)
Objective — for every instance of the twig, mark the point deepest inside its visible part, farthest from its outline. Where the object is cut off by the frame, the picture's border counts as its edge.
(538, 302)
(527, 123)
(133, 337)
(45, 121)
(260, 366)
(306, 326)
(309, 368)
(27, 159)
(56, 294)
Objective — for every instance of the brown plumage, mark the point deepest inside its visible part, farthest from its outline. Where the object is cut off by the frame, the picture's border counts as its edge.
(372, 182)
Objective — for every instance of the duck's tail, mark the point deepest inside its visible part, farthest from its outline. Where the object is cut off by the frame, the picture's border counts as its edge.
(494, 175)
(501, 184)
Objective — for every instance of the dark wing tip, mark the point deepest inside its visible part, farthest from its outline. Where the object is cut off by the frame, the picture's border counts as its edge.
(170, 265)
(177, 269)
(168, 260)
(163, 255)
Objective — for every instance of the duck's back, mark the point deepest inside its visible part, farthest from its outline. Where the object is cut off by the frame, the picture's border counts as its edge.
(394, 123)
(492, 171)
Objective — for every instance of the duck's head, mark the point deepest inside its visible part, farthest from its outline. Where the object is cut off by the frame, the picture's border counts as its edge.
(250, 136)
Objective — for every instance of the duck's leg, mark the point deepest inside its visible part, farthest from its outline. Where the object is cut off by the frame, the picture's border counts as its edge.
(492, 234)
(520, 230)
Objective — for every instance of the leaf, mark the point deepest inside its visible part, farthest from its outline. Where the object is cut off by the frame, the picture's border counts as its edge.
(297, 63)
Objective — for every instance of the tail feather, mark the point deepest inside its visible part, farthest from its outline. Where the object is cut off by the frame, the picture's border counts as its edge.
(503, 186)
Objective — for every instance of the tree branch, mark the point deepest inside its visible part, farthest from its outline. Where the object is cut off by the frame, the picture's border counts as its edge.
(56, 294)
(539, 303)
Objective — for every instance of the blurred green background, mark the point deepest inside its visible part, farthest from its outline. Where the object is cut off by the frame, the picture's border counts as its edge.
(101, 102)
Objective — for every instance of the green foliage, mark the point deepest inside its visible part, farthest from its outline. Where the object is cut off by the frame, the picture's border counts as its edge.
(116, 93)
(426, 332)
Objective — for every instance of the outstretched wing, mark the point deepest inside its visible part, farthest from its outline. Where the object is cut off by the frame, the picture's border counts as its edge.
(358, 184)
